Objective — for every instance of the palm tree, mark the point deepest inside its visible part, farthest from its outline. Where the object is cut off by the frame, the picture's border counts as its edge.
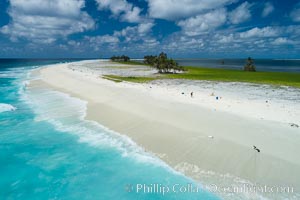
(249, 66)
(149, 59)
(120, 58)
(162, 63)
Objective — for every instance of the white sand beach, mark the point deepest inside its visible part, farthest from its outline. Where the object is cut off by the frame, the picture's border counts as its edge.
(207, 139)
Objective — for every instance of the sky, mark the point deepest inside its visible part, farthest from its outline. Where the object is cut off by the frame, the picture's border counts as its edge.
(181, 28)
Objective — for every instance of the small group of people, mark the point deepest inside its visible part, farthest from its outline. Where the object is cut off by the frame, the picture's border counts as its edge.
(192, 94)
(212, 94)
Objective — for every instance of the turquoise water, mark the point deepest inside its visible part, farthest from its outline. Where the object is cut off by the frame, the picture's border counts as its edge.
(48, 150)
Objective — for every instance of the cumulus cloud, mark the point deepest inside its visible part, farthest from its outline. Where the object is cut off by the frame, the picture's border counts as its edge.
(268, 9)
(225, 38)
(135, 33)
(137, 38)
(178, 9)
(130, 39)
(98, 42)
(282, 41)
(295, 14)
(240, 14)
(202, 23)
(126, 10)
(103, 39)
(261, 32)
(116, 6)
(256, 40)
(144, 28)
(262, 38)
(180, 43)
(43, 21)
(132, 15)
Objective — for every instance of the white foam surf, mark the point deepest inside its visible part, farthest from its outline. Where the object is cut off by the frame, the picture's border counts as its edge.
(67, 114)
(6, 107)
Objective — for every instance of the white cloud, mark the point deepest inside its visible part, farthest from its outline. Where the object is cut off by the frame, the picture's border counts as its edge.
(202, 23)
(225, 39)
(43, 21)
(130, 39)
(268, 9)
(261, 32)
(177, 9)
(103, 39)
(99, 42)
(132, 15)
(134, 33)
(293, 30)
(295, 14)
(116, 6)
(240, 14)
(144, 28)
(150, 43)
(192, 42)
(183, 43)
(219, 41)
(126, 10)
(137, 36)
(282, 41)
(137, 40)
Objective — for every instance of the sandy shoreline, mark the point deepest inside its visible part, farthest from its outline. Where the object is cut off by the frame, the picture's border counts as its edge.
(179, 131)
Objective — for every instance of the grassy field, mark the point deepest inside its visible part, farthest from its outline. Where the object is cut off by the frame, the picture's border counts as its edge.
(212, 74)
(129, 78)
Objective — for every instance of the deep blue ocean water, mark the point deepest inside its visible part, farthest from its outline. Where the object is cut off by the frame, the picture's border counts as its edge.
(275, 65)
(48, 150)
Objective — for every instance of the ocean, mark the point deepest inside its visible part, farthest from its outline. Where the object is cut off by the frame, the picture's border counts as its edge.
(49, 151)
(275, 65)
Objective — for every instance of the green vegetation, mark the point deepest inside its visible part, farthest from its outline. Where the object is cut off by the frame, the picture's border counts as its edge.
(122, 58)
(250, 67)
(108, 77)
(150, 60)
(135, 79)
(212, 74)
(163, 64)
(131, 62)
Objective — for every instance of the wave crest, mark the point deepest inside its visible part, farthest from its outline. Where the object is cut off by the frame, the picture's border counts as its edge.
(6, 107)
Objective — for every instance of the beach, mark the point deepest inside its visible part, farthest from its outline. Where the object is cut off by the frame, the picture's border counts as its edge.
(208, 136)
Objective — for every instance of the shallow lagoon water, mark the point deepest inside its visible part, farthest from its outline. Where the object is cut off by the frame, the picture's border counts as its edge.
(48, 150)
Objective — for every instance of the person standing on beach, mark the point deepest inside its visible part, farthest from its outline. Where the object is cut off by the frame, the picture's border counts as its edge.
(192, 93)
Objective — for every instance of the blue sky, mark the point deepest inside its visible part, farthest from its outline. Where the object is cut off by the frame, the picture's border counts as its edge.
(181, 28)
